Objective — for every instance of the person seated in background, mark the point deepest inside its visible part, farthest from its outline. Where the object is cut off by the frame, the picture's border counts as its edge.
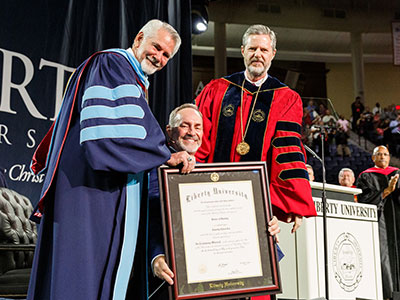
(385, 113)
(347, 179)
(330, 128)
(310, 172)
(344, 123)
(310, 117)
(185, 133)
(328, 117)
(394, 126)
(356, 110)
(306, 117)
(311, 105)
(377, 109)
(386, 132)
(317, 130)
(322, 109)
(306, 136)
(392, 111)
(341, 139)
(366, 124)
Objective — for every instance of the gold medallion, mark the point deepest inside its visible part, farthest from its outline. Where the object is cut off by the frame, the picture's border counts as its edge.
(214, 177)
(243, 148)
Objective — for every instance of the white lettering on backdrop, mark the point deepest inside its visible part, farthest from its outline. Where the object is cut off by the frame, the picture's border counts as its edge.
(7, 84)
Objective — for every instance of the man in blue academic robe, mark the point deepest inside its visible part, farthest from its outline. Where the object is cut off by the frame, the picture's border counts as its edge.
(96, 156)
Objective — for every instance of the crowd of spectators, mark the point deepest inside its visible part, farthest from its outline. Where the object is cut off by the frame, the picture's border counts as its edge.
(319, 123)
(324, 129)
(380, 126)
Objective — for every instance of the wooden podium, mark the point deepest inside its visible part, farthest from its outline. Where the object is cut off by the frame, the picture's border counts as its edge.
(354, 270)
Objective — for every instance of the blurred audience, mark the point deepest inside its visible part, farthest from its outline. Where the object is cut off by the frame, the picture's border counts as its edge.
(381, 127)
(392, 112)
(356, 110)
(341, 138)
(319, 132)
(322, 109)
(328, 117)
(365, 124)
(394, 127)
(377, 109)
(344, 123)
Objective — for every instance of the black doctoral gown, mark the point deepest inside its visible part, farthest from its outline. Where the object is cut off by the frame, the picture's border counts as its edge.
(373, 181)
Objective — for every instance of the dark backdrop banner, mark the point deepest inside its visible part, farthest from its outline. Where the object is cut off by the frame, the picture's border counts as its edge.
(42, 42)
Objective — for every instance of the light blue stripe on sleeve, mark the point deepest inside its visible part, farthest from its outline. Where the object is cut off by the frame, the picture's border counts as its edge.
(112, 132)
(131, 229)
(102, 111)
(102, 92)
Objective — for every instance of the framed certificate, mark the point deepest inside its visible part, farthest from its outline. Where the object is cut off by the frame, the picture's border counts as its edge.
(215, 228)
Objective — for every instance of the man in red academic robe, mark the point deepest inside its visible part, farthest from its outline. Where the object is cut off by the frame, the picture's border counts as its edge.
(251, 116)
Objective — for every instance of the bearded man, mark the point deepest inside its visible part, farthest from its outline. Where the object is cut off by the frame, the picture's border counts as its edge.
(185, 132)
(97, 156)
(251, 116)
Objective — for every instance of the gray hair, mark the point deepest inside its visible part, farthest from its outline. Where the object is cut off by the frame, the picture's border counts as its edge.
(259, 29)
(344, 170)
(153, 26)
(175, 118)
(376, 149)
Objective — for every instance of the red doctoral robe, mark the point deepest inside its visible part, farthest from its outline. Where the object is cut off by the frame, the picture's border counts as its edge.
(274, 136)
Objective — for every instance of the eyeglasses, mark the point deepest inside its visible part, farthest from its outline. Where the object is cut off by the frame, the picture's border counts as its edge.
(381, 154)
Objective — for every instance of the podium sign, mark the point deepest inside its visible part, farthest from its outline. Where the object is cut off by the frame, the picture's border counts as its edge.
(354, 269)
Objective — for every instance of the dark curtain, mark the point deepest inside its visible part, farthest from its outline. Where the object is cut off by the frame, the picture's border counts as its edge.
(173, 85)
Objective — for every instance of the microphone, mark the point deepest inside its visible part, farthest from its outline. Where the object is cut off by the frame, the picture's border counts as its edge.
(312, 152)
(321, 126)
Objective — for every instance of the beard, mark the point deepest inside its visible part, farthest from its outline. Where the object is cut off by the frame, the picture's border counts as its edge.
(191, 149)
(147, 66)
(257, 71)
